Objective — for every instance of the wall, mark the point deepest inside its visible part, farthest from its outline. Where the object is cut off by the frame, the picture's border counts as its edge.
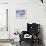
(3, 1)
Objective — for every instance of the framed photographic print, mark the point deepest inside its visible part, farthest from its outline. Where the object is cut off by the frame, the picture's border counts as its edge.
(21, 14)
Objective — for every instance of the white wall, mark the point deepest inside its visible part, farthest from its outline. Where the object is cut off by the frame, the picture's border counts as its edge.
(3, 1)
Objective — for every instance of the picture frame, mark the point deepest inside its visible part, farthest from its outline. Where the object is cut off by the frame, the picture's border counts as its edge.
(21, 14)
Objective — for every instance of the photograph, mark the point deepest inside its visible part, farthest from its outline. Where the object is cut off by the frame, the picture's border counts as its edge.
(22, 22)
(21, 14)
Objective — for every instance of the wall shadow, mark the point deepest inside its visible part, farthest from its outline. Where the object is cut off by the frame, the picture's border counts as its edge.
(41, 35)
